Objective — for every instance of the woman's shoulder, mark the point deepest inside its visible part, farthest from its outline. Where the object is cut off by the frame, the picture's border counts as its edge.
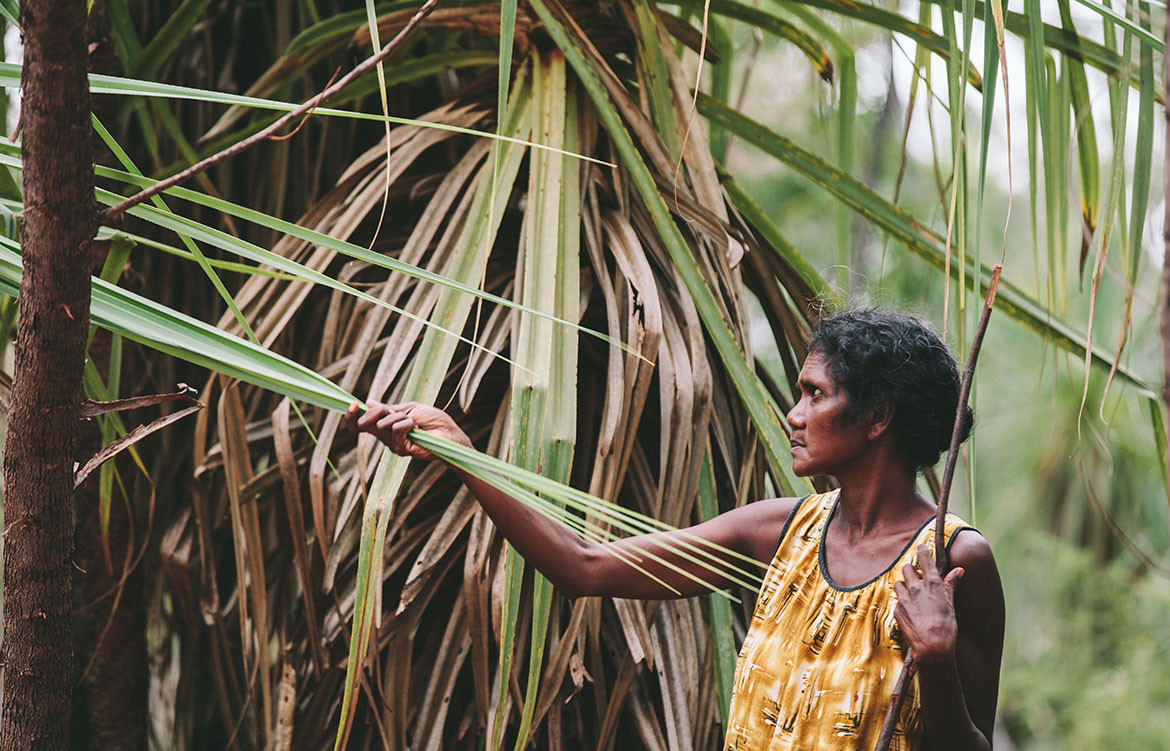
(763, 523)
(979, 601)
(971, 550)
(770, 512)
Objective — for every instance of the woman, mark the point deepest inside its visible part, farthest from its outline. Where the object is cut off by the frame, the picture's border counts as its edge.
(851, 581)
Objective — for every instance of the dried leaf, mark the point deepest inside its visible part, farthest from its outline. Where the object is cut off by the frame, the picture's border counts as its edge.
(129, 439)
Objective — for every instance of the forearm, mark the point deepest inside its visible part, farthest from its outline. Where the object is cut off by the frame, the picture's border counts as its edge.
(650, 567)
(549, 546)
(574, 566)
(946, 722)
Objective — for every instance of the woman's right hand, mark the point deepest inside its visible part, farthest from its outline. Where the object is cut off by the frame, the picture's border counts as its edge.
(391, 423)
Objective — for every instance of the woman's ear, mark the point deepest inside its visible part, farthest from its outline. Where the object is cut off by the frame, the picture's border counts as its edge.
(880, 420)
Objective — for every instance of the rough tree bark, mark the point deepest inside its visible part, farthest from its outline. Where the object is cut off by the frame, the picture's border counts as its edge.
(60, 219)
(110, 652)
(110, 699)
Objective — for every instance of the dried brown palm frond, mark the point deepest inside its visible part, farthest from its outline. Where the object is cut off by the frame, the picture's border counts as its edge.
(298, 548)
(431, 668)
(435, 652)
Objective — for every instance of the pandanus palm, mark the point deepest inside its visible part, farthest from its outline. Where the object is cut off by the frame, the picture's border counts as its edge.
(576, 240)
(579, 302)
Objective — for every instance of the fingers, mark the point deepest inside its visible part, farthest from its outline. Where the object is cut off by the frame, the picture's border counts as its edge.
(387, 422)
(952, 579)
(351, 416)
(392, 430)
(924, 607)
(927, 564)
(365, 422)
(391, 424)
(913, 580)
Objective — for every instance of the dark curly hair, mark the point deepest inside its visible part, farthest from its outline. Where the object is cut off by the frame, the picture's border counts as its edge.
(890, 359)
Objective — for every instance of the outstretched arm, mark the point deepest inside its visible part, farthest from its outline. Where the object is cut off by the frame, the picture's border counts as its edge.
(573, 565)
(954, 627)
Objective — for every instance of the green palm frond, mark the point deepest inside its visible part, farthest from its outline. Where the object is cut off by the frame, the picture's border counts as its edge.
(564, 263)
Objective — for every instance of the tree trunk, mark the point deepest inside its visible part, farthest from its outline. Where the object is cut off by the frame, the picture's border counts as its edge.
(109, 703)
(111, 640)
(109, 708)
(60, 219)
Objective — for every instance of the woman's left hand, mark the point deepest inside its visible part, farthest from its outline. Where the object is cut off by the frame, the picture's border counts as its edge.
(926, 609)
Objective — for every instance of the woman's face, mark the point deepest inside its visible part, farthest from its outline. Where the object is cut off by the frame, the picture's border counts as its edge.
(822, 441)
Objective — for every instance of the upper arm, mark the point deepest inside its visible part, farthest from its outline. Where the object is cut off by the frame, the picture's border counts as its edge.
(979, 611)
(733, 549)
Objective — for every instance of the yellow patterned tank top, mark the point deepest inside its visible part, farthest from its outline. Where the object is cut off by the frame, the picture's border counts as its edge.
(820, 661)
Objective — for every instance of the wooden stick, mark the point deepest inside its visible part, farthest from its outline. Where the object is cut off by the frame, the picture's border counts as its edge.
(940, 548)
(116, 211)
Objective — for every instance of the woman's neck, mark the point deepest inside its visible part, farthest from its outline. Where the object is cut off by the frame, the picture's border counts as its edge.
(878, 495)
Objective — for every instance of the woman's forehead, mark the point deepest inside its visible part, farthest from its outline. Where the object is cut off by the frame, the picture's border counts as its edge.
(816, 367)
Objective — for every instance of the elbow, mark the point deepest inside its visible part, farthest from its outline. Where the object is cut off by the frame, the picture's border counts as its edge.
(578, 576)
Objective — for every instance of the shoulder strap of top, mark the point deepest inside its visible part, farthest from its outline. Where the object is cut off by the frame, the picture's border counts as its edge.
(806, 511)
(952, 526)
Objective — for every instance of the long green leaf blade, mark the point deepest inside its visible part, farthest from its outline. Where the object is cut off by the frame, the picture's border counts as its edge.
(174, 333)
(759, 405)
(430, 368)
(166, 41)
(544, 398)
(918, 238)
(722, 634)
(103, 84)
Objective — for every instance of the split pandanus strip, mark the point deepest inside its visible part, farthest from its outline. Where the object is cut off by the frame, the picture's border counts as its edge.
(940, 549)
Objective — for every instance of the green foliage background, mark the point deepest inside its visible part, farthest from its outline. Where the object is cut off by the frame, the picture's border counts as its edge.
(1073, 501)
(1088, 623)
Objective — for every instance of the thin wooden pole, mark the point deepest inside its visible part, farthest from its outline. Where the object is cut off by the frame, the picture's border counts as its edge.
(940, 548)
